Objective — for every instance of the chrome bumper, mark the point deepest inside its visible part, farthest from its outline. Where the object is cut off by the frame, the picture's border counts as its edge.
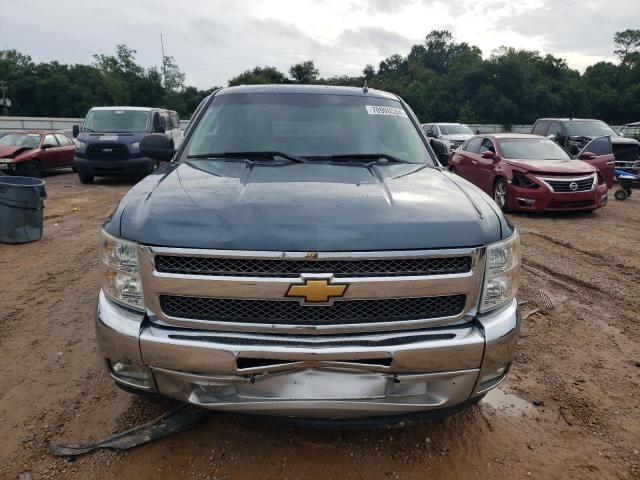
(341, 376)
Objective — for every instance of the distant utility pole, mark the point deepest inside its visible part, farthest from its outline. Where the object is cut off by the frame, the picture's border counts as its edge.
(164, 63)
(5, 101)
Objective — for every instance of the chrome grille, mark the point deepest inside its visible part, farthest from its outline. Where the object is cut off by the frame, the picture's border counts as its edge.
(246, 291)
(288, 312)
(564, 185)
(293, 268)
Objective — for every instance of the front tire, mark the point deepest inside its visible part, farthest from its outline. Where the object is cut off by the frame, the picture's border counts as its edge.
(621, 195)
(501, 194)
(86, 178)
(29, 169)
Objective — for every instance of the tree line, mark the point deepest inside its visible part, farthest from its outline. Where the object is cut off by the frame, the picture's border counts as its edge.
(441, 79)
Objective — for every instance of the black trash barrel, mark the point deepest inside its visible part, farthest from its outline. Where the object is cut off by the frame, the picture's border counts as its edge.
(21, 214)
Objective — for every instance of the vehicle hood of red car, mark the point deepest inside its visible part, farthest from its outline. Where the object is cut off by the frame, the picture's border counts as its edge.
(13, 152)
(553, 166)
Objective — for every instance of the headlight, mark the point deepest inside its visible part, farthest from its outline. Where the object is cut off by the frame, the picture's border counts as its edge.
(79, 145)
(502, 274)
(522, 181)
(135, 147)
(121, 278)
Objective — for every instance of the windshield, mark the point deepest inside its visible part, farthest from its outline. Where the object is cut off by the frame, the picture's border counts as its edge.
(591, 128)
(116, 121)
(28, 140)
(532, 149)
(307, 125)
(455, 130)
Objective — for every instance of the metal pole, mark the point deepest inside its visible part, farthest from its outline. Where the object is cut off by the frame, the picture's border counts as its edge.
(164, 64)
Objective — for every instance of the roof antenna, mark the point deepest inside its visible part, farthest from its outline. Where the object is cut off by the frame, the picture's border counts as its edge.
(365, 88)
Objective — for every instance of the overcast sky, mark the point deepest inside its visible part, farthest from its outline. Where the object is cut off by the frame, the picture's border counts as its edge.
(215, 40)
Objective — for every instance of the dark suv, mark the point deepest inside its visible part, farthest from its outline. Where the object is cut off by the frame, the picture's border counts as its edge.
(573, 134)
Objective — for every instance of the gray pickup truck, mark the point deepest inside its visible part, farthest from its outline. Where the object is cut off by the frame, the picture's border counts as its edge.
(304, 254)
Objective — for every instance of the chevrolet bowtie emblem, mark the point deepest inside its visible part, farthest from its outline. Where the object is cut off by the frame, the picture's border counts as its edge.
(317, 291)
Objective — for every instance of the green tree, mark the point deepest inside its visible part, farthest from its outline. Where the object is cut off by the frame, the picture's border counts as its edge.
(466, 114)
(259, 75)
(173, 76)
(305, 72)
(627, 42)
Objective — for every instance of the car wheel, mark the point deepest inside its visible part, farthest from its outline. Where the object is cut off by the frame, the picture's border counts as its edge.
(621, 195)
(29, 169)
(500, 193)
(86, 178)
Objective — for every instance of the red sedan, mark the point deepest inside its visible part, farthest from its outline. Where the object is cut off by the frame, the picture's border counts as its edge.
(532, 173)
(29, 153)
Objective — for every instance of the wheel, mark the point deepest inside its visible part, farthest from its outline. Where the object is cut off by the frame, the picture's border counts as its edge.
(86, 178)
(500, 193)
(29, 169)
(621, 195)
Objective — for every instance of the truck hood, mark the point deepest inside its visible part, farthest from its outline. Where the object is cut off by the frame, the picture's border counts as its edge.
(233, 205)
(96, 137)
(553, 166)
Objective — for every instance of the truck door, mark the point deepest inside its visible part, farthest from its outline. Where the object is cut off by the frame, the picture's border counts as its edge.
(599, 153)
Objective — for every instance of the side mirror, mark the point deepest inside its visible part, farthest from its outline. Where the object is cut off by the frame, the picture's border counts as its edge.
(488, 154)
(430, 134)
(157, 146)
(551, 137)
(75, 130)
(587, 156)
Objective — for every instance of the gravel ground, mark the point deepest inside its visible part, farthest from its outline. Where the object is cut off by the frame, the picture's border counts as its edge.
(569, 409)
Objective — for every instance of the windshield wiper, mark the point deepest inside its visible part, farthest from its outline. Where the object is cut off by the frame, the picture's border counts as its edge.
(251, 155)
(360, 157)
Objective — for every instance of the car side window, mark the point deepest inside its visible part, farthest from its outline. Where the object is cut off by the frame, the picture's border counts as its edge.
(63, 140)
(50, 140)
(175, 120)
(555, 129)
(487, 144)
(473, 146)
(540, 128)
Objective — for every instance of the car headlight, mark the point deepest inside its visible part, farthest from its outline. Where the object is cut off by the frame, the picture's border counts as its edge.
(522, 181)
(135, 147)
(121, 276)
(502, 274)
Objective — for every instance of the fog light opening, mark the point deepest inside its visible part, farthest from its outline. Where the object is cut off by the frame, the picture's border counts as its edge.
(525, 202)
(134, 375)
(492, 379)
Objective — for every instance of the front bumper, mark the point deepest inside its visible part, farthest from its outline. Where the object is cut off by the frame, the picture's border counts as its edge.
(114, 168)
(547, 201)
(348, 376)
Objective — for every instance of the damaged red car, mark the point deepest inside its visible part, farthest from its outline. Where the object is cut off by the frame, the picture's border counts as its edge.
(532, 173)
(28, 153)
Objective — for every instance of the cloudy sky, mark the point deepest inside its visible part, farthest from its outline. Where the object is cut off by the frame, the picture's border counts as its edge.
(214, 40)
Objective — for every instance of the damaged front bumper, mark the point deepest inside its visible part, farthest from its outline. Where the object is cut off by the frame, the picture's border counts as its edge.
(337, 376)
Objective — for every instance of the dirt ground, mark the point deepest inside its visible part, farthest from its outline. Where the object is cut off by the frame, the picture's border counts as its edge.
(569, 409)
